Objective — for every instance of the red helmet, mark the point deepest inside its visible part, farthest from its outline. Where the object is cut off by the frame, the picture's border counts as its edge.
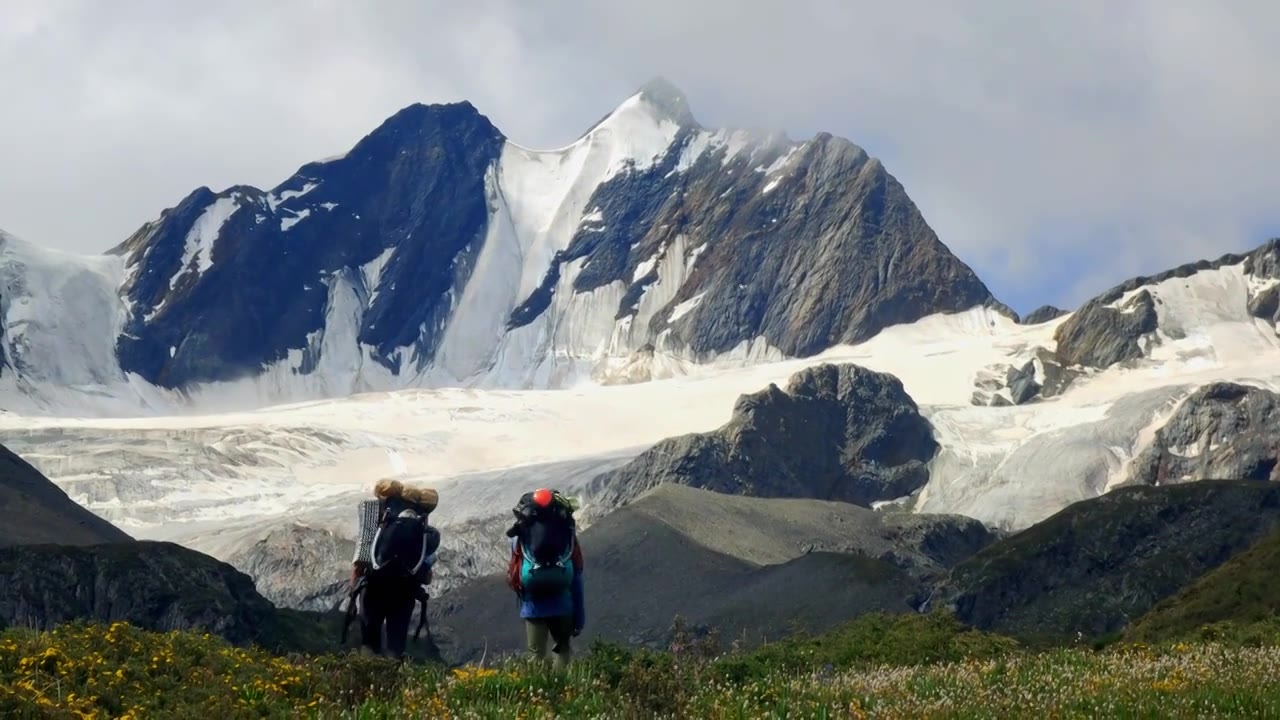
(542, 497)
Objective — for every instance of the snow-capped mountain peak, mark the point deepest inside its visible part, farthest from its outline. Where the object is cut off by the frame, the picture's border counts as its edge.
(437, 252)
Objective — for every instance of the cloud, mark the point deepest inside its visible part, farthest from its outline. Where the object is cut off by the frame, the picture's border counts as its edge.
(1057, 148)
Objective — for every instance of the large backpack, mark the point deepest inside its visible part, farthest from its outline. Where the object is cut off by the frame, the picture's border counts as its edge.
(545, 538)
(403, 541)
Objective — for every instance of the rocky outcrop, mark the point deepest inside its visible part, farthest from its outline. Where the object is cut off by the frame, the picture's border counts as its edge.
(1100, 564)
(300, 567)
(1266, 304)
(37, 511)
(1043, 314)
(1223, 430)
(158, 586)
(1110, 329)
(1099, 335)
(1022, 383)
(1042, 376)
(836, 433)
(827, 249)
(223, 284)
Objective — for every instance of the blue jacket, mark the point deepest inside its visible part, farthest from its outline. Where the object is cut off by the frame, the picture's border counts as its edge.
(568, 603)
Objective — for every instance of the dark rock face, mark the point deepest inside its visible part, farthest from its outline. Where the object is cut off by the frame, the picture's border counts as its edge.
(1099, 336)
(923, 543)
(413, 188)
(1022, 384)
(831, 252)
(836, 433)
(1102, 563)
(37, 511)
(1266, 304)
(299, 567)
(159, 586)
(1040, 377)
(1223, 430)
(1043, 314)
(826, 248)
(1262, 262)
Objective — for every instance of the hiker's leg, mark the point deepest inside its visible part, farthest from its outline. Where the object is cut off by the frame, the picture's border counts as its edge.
(371, 618)
(537, 634)
(561, 631)
(399, 614)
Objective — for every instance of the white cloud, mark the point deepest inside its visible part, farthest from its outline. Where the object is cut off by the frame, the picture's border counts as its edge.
(1132, 136)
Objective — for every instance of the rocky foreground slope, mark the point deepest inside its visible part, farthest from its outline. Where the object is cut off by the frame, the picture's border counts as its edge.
(1099, 565)
(34, 510)
(753, 568)
(1086, 572)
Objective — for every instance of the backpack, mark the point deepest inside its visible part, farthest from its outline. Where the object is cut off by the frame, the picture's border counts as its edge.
(545, 541)
(403, 541)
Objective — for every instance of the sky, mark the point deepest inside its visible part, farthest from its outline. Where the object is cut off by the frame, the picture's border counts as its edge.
(1056, 147)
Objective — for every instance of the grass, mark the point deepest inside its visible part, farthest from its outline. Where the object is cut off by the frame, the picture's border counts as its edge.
(878, 666)
(1238, 599)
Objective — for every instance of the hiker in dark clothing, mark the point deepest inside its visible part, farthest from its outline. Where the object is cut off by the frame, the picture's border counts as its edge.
(545, 571)
(392, 565)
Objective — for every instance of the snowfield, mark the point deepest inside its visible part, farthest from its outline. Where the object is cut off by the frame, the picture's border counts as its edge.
(219, 481)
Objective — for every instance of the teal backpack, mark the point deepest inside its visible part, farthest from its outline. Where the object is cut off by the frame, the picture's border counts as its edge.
(546, 537)
(545, 578)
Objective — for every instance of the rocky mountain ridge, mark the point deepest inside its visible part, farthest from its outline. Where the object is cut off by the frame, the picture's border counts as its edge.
(436, 252)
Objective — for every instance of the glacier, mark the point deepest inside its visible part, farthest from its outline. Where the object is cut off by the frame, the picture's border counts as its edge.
(217, 480)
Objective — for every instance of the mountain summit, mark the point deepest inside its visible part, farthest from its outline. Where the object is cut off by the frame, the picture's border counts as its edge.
(436, 252)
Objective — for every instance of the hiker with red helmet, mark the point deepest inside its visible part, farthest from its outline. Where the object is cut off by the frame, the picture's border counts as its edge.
(545, 572)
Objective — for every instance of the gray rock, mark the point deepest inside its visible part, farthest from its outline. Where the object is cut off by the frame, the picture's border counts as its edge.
(1022, 384)
(1099, 336)
(1055, 378)
(299, 567)
(157, 586)
(990, 384)
(414, 187)
(834, 253)
(1043, 314)
(1222, 431)
(37, 511)
(1264, 262)
(998, 400)
(1266, 304)
(836, 433)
